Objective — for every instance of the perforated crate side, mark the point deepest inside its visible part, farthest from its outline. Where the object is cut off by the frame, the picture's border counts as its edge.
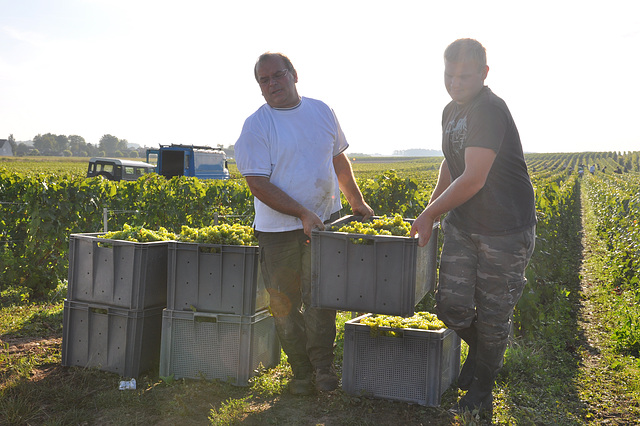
(417, 367)
(122, 274)
(112, 339)
(225, 281)
(217, 346)
(390, 275)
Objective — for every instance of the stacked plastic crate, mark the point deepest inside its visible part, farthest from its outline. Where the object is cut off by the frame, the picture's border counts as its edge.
(216, 324)
(387, 275)
(113, 311)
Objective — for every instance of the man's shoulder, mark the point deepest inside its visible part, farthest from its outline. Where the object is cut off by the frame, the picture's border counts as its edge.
(487, 104)
(258, 118)
(489, 97)
(315, 103)
(264, 109)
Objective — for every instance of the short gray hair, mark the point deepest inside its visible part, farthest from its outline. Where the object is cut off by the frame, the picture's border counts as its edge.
(466, 49)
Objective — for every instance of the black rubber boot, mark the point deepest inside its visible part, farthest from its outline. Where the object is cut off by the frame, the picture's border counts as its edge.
(302, 382)
(480, 394)
(470, 336)
(326, 379)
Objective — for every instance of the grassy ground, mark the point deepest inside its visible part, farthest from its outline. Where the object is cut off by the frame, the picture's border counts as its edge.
(36, 389)
(571, 379)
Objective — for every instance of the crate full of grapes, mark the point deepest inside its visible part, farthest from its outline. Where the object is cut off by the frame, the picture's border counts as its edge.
(125, 269)
(215, 269)
(413, 359)
(371, 266)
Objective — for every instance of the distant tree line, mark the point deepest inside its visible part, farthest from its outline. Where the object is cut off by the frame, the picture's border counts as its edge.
(417, 152)
(75, 146)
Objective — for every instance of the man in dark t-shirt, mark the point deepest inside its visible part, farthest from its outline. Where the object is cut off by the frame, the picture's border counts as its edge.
(489, 230)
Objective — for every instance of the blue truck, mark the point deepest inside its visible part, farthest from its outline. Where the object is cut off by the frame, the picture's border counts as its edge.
(202, 162)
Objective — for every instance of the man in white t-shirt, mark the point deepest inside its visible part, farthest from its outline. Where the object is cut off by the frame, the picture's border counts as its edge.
(291, 153)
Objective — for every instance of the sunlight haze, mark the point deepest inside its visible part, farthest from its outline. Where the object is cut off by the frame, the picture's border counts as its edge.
(159, 72)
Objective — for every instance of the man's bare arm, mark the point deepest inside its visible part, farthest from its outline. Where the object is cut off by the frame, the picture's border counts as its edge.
(274, 197)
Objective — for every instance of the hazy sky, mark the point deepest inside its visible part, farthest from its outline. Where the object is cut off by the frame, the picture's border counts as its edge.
(159, 71)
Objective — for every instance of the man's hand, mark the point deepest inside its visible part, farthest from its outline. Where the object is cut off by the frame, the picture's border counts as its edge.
(423, 226)
(363, 210)
(311, 221)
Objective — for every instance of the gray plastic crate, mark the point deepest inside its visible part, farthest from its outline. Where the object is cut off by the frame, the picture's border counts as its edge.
(121, 341)
(217, 346)
(389, 276)
(417, 367)
(122, 274)
(227, 280)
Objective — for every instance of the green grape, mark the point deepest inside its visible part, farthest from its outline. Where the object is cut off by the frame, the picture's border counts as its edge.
(394, 226)
(139, 234)
(223, 234)
(420, 321)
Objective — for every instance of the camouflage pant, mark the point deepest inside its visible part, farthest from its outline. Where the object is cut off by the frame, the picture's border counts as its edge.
(481, 279)
(307, 334)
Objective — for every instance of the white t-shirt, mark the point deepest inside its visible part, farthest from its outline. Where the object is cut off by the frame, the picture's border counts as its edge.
(294, 148)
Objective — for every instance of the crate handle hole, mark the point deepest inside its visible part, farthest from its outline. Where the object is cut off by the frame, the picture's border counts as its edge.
(206, 319)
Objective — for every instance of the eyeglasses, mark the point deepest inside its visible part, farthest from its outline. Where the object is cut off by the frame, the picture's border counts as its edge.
(264, 81)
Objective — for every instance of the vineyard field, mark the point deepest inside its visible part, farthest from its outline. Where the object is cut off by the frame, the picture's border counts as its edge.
(576, 329)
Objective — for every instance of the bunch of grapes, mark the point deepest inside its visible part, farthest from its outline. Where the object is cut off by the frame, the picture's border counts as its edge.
(236, 235)
(140, 234)
(420, 320)
(383, 225)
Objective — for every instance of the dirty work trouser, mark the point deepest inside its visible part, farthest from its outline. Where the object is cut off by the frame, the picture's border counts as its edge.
(307, 334)
(481, 279)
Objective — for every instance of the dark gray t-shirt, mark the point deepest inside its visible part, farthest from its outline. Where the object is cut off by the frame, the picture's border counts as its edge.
(506, 203)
